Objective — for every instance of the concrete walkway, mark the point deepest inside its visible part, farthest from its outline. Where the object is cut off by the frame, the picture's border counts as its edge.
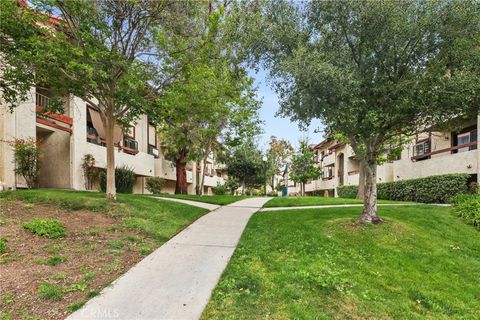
(338, 205)
(204, 205)
(177, 279)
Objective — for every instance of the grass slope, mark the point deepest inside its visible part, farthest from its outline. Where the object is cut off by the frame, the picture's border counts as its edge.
(59, 248)
(220, 200)
(314, 201)
(157, 219)
(423, 263)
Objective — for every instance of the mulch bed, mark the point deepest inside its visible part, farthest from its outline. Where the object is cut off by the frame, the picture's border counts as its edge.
(97, 249)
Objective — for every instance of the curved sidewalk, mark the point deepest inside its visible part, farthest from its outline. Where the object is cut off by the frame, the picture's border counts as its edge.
(204, 205)
(177, 279)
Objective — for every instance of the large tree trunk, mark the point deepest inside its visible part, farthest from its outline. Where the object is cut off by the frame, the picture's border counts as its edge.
(180, 164)
(110, 127)
(361, 182)
(369, 214)
(197, 175)
(202, 174)
(243, 187)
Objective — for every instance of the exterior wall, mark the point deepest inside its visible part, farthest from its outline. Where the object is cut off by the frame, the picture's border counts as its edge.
(141, 163)
(55, 158)
(406, 167)
(63, 152)
(19, 124)
(465, 162)
(78, 142)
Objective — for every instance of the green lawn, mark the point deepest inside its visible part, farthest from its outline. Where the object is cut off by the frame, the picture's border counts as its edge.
(314, 201)
(157, 219)
(423, 263)
(220, 200)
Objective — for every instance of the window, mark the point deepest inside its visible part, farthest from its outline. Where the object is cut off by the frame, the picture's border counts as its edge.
(464, 137)
(327, 173)
(152, 135)
(422, 149)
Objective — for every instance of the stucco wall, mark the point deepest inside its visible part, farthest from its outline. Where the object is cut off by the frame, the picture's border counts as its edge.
(464, 162)
(17, 125)
(55, 158)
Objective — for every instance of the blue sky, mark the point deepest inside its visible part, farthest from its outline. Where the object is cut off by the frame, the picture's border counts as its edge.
(280, 127)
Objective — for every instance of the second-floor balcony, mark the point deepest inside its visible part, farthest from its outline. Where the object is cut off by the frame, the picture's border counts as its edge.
(460, 142)
(43, 106)
(130, 146)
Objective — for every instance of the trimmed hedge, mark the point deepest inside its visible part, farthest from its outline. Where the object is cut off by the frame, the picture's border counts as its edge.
(347, 191)
(468, 208)
(433, 189)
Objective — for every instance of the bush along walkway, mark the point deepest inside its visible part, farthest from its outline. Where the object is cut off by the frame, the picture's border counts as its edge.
(176, 280)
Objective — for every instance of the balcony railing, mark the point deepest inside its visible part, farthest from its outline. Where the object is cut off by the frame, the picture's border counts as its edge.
(130, 146)
(42, 104)
(92, 136)
(424, 155)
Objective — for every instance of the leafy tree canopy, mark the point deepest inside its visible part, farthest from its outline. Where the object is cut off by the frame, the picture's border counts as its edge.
(374, 71)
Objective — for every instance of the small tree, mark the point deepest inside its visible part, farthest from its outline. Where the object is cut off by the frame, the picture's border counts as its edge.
(245, 164)
(303, 166)
(278, 153)
(90, 172)
(232, 185)
(27, 160)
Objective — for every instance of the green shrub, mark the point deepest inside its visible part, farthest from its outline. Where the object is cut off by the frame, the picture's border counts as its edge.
(3, 245)
(49, 291)
(468, 208)
(27, 160)
(220, 189)
(433, 189)
(155, 184)
(47, 228)
(124, 180)
(347, 191)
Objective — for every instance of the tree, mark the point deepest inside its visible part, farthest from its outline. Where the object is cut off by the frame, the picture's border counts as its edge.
(118, 56)
(210, 90)
(245, 164)
(374, 71)
(232, 185)
(303, 166)
(278, 152)
(27, 160)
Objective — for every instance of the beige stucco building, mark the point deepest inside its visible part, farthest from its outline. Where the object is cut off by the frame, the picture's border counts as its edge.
(429, 153)
(66, 138)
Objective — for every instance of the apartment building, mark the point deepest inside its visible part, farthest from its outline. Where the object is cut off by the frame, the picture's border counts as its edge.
(66, 138)
(429, 153)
